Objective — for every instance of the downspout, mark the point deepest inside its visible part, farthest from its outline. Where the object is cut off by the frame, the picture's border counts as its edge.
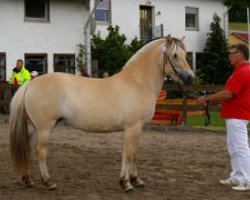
(225, 15)
(87, 39)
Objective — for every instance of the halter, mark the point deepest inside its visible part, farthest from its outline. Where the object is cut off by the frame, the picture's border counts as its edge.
(194, 95)
(167, 58)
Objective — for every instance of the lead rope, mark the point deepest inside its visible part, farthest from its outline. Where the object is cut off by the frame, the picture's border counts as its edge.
(206, 108)
(194, 96)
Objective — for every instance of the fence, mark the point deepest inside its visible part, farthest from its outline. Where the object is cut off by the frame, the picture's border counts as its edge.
(5, 97)
(184, 106)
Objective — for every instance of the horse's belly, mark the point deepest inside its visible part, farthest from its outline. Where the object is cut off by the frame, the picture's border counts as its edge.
(97, 125)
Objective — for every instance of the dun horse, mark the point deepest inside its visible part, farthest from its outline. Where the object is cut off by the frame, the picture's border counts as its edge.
(124, 101)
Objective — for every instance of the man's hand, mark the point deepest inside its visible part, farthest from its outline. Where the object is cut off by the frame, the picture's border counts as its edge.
(202, 101)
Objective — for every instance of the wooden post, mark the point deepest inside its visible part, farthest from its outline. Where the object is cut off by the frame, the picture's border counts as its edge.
(184, 110)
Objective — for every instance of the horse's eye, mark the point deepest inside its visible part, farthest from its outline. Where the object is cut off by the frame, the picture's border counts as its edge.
(175, 55)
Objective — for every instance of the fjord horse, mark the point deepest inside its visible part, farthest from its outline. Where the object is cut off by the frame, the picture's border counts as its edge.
(124, 101)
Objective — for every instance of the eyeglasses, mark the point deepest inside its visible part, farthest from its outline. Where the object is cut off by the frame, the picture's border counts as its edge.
(231, 53)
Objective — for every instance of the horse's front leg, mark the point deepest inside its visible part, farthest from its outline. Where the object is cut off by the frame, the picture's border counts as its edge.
(128, 177)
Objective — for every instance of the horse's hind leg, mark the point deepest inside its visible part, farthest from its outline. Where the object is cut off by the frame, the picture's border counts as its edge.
(41, 153)
(128, 177)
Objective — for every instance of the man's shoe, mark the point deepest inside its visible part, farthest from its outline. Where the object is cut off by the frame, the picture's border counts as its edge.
(241, 187)
(229, 182)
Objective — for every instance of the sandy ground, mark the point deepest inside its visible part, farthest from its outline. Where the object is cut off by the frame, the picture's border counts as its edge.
(175, 165)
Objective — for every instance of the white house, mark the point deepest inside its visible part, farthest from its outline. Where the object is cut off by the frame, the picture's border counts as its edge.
(148, 19)
(45, 33)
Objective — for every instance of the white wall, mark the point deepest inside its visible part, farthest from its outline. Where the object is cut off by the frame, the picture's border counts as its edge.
(67, 18)
(125, 14)
(60, 35)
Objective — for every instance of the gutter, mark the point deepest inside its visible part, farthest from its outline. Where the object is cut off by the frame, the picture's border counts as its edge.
(87, 33)
(225, 16)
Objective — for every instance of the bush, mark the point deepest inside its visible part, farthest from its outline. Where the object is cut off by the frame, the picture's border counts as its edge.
(112, 52)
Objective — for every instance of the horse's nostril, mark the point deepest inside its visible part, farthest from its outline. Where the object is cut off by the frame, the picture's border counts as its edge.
(181, 76)
(190, 78)
(185, 77)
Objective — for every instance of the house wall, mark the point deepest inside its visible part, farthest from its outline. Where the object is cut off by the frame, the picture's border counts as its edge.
(60, 35)
(125, 14)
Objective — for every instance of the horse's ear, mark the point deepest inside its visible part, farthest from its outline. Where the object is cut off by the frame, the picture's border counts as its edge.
(169, 39)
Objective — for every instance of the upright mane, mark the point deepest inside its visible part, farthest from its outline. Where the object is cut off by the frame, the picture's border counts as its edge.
(148, 45)
(179, 43)
(142, 50)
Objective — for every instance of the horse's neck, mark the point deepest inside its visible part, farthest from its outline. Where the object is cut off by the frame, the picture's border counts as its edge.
(146, 69)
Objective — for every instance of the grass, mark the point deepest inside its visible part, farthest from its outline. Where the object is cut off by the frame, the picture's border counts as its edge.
(199, 121)
(216, 122)
(238, 26)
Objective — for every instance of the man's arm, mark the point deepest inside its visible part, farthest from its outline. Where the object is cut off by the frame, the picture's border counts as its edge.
(27, 76)
(215, 98)
(11, 77)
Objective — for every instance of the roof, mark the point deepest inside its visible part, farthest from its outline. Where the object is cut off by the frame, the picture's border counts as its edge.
(241, 35)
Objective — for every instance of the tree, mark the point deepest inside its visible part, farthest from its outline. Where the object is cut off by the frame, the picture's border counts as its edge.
(112, 52)
(238, 11)
(215, 63)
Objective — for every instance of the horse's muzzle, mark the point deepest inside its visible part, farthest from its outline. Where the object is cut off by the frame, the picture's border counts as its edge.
(186, 76)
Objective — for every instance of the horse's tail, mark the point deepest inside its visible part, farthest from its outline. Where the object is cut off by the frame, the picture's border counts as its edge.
(19, 139)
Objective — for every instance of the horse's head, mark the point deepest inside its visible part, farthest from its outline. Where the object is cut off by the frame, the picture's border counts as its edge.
(176, 65)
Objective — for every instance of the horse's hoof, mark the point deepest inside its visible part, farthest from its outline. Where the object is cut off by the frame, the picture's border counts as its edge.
(49, 184)
(27, 182)
(52, 187)
(141, 186)
(136, 182)
(129, 190)
(126, 186)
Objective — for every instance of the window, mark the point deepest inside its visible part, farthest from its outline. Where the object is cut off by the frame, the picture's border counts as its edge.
(102, 12)
(37, 10)
(64, 63)
(159, 32)
(36, 62)
(191, 18)
(2, 66)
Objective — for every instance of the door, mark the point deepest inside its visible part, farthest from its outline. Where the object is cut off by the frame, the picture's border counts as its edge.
(146, 23)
